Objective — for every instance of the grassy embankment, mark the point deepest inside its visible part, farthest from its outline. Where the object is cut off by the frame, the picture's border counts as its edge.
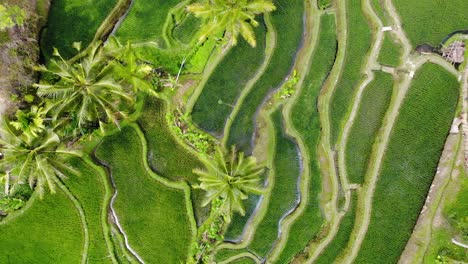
(374, 103)
(358, 44)
(73, 21)
(226, 83)
(306, 121)
(45, 231)
(430, 21)
(410, 163)
(289, 36)
(146, 202)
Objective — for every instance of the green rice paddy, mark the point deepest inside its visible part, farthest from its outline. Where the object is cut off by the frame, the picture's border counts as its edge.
(137, 198)
(417, 138)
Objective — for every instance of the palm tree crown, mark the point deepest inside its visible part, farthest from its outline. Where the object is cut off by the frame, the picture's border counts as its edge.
(86, 88)
(39, 161)
(232, 16)
(230, 177)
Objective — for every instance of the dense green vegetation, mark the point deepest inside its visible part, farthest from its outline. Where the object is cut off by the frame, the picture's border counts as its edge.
(358, 44)
(390, 52)
(24, 240)
(145, 21)
(429, 21)
(145, 203)
(72, 21)
(226, 83)
(374, 103)
(288, 39)
(286, 173)
(133, 169)
(410, 163)
(306, 120)
(90, 190)
(175, 165)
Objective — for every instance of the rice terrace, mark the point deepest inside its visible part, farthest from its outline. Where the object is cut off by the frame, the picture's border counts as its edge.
(233, 131)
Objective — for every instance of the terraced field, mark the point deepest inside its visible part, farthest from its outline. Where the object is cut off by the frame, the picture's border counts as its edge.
(350, 125)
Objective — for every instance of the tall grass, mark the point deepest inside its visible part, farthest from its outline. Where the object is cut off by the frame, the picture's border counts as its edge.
(153, 215)
(49, 231)
(374, 103)
(286, 167)
(429, 21)
(410, 163)
(289, 36)
(390, 52)
(73, 21)
(89, 190)
(165, 154)
(306, 121)
(226, 83)
(145, 21)
(358, 44)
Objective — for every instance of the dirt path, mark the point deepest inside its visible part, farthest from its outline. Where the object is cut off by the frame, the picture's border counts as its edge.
(464, 89)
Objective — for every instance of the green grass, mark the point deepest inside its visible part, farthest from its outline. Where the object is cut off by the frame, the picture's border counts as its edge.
(341, 239)
(379, 7)
(166, 156)
(289, 36)
(237, 225)
(390, 52)
(374, 103)
(153, 215)
(325, 3)
(226, 83)
(430, 21)
(455, 212)
(89, 190)
(145, 21)
(359, 41)
(187, 29)
(410, 163)
(286, 167)
(243, 261)
(72, 21)
(48, 232)
(306, 121)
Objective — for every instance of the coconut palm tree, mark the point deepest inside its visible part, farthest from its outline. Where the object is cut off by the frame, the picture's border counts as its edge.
(132, 70)
(230, 177)
(86, 88)
(40, 161)
(30, 123)
(233, 17)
